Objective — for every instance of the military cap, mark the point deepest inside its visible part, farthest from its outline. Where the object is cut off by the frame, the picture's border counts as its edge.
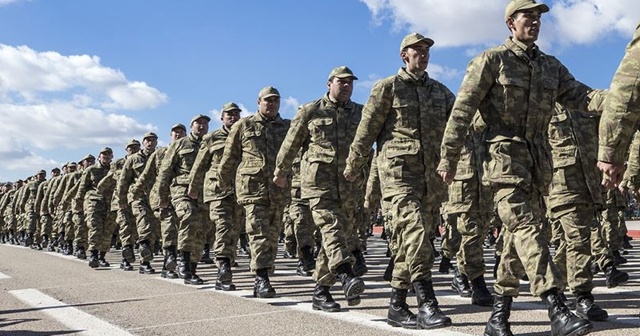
(267, 92)
(179, 125)
(200, 116)
(72, 164)
(518, 5)
(149, 135)
(42, 171)
(9, 183)
(228, 107)
(65, 165)
(133, 142)
(56, 169)
(342, 72)
(414, 38)
(106, 150)
(19, 181)
(89, 157)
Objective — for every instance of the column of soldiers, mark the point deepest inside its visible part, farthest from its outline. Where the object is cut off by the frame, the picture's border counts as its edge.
(510, 146)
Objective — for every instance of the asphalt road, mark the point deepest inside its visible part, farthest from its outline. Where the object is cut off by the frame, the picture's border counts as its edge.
(45, 293)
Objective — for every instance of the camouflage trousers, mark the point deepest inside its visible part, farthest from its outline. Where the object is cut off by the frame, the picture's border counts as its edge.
(80, 229)
(31, 222)
(228, 218)
(525, 250)
(126, 222)
(599, 250)
(334, 219)
(473, 228)
(290, 244)
(191, 218)
(263, 224)
(573, 256)
(612, 227)
(303, 224)
(168, 226)
(100, 222)
(44, 225)
(451, 237)
(67, 226)
(362, 226)
(411, 223)
(57, 226)
(146, 222)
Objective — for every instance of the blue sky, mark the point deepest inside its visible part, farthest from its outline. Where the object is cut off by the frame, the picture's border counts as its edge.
(77, 75)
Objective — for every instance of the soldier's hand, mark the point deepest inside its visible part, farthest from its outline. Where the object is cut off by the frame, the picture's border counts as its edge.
(350, 175)
(611, 173)
(163, 204)
(281, 182)
(446, 176)
(193, 194)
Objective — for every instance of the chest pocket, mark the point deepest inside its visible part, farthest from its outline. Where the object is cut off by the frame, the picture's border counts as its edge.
(563, 145)
(187, 156)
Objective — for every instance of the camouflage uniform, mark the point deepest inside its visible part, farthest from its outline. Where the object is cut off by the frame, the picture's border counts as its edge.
(28, 204)
(301, 218)
(94, 193)
(48, 202)
(125, 220)
(44, 218)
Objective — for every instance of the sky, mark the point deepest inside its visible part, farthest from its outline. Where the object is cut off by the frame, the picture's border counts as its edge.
(78, 75)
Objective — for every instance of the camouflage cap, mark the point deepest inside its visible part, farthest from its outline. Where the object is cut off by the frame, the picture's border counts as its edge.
(200, 116)
(20, 181)
(230, 106)
(42, 171)
(89, 157)
(518, 5)
(149, 135)
(179, 125)
(133, 142)
(9, 183)
(342, 72)
(72, 164)
(267, 92)
(414, 38)
(56, 169)
(106, 150)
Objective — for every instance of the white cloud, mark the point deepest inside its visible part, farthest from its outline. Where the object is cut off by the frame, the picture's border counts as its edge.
(7, 2)
(15, 156)
(443, 73)
(481, 23)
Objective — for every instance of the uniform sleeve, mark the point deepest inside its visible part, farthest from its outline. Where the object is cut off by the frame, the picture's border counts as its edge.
(83, 186)
(144, 183)
(125, 179)
(166, 172)
(39, 196)
(230, 156)
(622, 106)
(297, 134)
(200, 167)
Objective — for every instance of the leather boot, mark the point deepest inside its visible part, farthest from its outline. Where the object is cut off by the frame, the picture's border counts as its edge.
(225, 276)
(301, 270)
(614, 277)
(102, 261)
(322, 300)
(80, 253)
(145, 268)
(618, 259)
(69, 248)
(563, 321)
(125, 265)
(45, 241)
(166, 272)
(445, 265)
(146, 253)
(352, 285)
(460, 283)
(429, 315)
(498, 324)
(388, 272)
(127, 253)
(481, 295)
(595, 269)
(193, 278)
(244, 245)
(360, 267)
(184, 268)
(308, 261)
(262, 287)
(206, 255)
(93, 260)
(28, 241)
(399, 314)
(587, 309)
(570, 304)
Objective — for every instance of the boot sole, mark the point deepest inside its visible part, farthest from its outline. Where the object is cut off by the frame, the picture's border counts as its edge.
(225, 287)
(400, 325)
(328, 310)
(438, 325)
(354, 290)
(462, 294)
(581, 331)
(169, 276)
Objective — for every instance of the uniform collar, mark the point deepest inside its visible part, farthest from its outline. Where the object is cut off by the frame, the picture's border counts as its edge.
(411, 78)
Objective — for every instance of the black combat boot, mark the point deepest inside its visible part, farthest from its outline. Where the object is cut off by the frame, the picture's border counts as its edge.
(495, 267)
(618, 259)
(308, 261)
(126, 265)
(352, 285)
(570, 304)
(157, 247)
(170, 263)
(69, 248)
(460, 283)
(587, 309)
(301, 270)
(146, 253)
(262, 287)
(145, 268)
(80, 252)
(93, 260)
(102, 261)
(184, 268)
(193, 278)
(244, 245)
(322, 300)
(45, 241)
(498, 324)
(127, 253)
(445, 265)
(225, 276)
(360, 267)
(614, 277)
(626, 243)
(481, 295)
(399, 314)
(206, 255)
(388, 272)
(28, 240)
(429, 315)
(563, 321)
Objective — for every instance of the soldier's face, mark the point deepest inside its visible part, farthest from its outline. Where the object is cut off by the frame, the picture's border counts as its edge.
(55, 173)
(525, 25)
(71, 169)
(89, 162)
(269, 106)
(416, 57)
(229, 118)
(177, 133)
(341, 88)
(133, 149)
(41, 177)
(105, 158)
(200, 127)
(150, 143)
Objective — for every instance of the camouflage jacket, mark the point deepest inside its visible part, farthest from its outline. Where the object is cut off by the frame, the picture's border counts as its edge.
(144, 183)
(205, 169)
(111, 181)
(91, 187)
(632, 174)
(70, 191)
(516, 95)
(5, 202)
(131, 171)
(622, 106)
(28, 201)
(47, 201)
(173, 177)
(323, 130)
(573, 150)
(406, 116)
(40, 196)
(372, 194)
(249, 154)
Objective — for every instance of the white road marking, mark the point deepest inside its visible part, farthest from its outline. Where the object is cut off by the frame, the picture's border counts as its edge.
(4, 276)
(71, 317)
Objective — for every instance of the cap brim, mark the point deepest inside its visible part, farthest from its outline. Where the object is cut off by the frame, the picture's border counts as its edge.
(346, 76)
(270, 95)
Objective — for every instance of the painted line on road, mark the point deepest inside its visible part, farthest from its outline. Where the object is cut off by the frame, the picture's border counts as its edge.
(71, 317)
(4, 276)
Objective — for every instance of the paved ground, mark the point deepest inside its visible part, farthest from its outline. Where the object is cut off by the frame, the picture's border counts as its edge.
(47, 294)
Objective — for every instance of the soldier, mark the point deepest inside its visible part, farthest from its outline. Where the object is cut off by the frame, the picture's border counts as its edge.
(79, 225)
(224, 211)
(92, 197)
(146, 222)
(172, 185)
(7, 196)
(406, 114)
(65, 222)
(515, 87)
(167, 217)
(44, 222)
(28, 204)
(124, 217)
(324, 128)
(249, 155)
